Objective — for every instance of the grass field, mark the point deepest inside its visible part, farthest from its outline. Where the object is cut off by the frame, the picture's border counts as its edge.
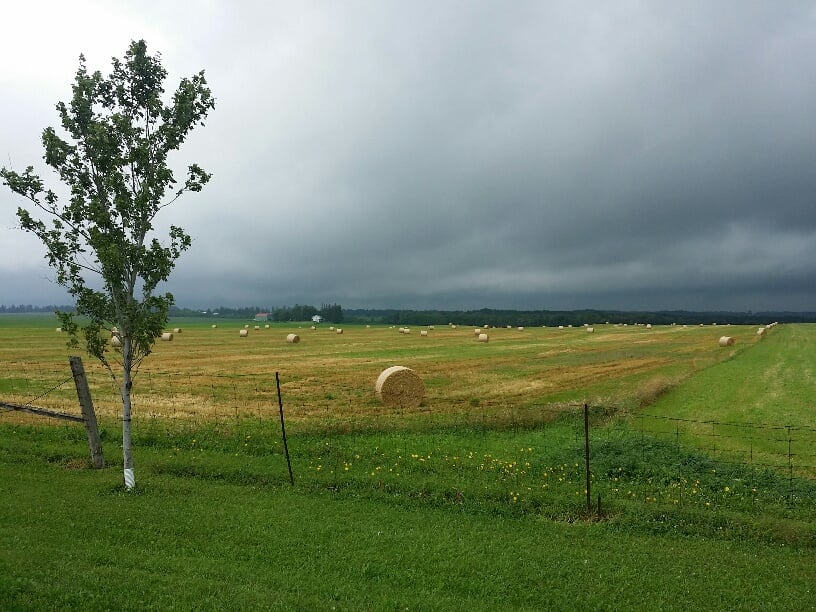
(474, 500)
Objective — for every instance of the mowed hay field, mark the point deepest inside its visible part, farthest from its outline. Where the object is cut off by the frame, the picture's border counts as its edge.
(473, 500)
(208, 373)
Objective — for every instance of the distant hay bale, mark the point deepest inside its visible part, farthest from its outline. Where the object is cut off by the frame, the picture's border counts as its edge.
(314, 327)
(257, 327)
(59, 330)
(761, 331)
(339, 331)
(368, 327)
(431, 327)
(213, 326)
(521, 328)
(176, 330)
(293, 338)
(266, 326)
(454, 326)
(424, 332)
(244, 333)
(477, 331)
(560, 327)
(648, 326)
(167, 336)
(399, 386)
(483, 338)
(509, 327)
(246, 326)
(407, 330)
(116, 341)
(331, 328)
(726, 341)
(590, 330)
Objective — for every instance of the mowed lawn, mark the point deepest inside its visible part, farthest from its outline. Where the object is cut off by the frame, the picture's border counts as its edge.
(219, 527)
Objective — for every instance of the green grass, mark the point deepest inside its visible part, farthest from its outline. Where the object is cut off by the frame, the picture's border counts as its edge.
(71, 539)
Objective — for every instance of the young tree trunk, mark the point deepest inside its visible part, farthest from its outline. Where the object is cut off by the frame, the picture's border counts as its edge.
(127, 386)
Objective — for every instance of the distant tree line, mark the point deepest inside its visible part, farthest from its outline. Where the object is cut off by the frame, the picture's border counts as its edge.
(23, 308)
(332, 313)
(534, 318)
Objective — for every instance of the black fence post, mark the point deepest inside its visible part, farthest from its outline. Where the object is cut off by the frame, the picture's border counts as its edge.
(586, 455)
(283, 430)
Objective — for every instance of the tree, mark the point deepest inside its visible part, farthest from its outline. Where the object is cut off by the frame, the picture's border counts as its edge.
(101, 241)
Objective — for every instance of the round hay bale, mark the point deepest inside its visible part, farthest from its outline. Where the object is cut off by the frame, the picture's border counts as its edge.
(483, 338)
(339, 331)
(521, 328)
(266, 326)
(176, 330)
(246, 326)
(424, 332)
(726, 341)
(244, 333)
(477, 331)
(293, 338)
(313, 327)
(590, 330)
(454, 326)
(399, 386)
(648, 326)
(431, 327)
(331, 328)
(257, 327)
(213, 326)
(560, 327)
(761, 331)
(167, 336)
(116, 341)
(59, 330)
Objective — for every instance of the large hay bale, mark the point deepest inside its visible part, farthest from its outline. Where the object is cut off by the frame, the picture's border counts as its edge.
(761, 331)
(483, 338)
(167, 336)
(399, 386)
(424, 332)
(590, 330)
(176, 330)
(339, 330)
(726, 341)
(243, 333)
(293, 338)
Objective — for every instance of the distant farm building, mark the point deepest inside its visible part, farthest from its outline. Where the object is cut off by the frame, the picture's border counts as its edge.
(317, 318)
(262, 316)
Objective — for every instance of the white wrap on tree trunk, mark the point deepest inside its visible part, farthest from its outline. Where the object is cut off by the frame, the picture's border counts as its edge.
(130, 479)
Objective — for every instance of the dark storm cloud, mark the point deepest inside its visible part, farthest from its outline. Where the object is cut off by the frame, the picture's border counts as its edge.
(530, 155)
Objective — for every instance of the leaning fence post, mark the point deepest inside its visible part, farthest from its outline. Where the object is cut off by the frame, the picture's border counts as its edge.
(88, 414)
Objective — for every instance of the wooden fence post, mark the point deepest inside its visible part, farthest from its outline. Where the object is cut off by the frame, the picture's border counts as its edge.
(88, 414)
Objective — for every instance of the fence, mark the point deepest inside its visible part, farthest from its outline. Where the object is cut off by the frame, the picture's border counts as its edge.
(519, 455)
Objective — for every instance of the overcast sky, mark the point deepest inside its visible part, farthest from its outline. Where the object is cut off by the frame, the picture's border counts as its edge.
(459, 155)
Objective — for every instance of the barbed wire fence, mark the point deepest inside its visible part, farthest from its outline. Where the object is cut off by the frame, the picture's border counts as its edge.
(642, 457)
